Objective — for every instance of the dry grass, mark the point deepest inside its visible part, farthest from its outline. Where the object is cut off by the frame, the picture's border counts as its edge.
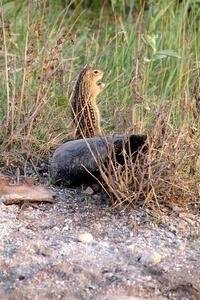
(30, 110)
(165, 172)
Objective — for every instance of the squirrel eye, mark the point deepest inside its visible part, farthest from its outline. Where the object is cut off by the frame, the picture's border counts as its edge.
(96, 72)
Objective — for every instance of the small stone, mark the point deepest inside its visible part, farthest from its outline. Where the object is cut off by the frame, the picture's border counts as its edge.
(89, 191)
(180, 246)
(44, 251)
(176, 209)
(96, 197)
(150, 258)
(182, 225)
(131, 247)
(56, 228)
(86, 238)
(65, 228)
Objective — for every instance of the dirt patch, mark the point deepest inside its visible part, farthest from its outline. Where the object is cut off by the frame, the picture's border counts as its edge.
(41, 256)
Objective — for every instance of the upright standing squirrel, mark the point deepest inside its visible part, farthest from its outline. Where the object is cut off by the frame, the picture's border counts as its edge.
(86, 116)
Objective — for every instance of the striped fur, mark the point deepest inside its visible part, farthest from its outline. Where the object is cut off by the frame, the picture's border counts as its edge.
(86, 117)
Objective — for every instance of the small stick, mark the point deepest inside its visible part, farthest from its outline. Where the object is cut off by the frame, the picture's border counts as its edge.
(17, 199)
(6, 66)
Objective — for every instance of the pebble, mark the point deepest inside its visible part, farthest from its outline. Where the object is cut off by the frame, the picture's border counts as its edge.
(180, 245)
(182, 225)
(86, 238)
(65, 228)
(152, 258)
(96, 197)
(43, 251)
(56, 228)
(89, 191)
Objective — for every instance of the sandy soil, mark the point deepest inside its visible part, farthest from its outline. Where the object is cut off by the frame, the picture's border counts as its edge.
(41, 256)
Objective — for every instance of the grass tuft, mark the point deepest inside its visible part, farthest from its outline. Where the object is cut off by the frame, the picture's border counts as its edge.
(165, 172)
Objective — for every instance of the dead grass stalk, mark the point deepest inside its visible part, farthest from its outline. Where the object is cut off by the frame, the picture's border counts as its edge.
(164, 172)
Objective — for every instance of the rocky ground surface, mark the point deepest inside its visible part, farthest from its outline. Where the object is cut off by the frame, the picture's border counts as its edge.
(78, 248)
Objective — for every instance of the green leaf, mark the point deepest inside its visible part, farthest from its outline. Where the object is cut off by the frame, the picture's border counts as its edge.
(168, 53)
(150, 40)
(162, 54)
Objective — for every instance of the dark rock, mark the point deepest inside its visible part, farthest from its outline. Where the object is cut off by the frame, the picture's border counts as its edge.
(96, 187)
(75, 161)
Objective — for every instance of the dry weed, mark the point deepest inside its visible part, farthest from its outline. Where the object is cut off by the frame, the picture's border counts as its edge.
(26, 128)
(165, 171)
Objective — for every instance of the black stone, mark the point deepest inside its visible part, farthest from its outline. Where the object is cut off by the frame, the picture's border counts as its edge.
(71, 160)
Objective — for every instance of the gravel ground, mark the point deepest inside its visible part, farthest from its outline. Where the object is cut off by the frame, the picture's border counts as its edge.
(130, 254)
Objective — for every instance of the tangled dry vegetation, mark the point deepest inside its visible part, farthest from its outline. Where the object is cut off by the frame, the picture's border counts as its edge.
(166, 171)
(33, 118)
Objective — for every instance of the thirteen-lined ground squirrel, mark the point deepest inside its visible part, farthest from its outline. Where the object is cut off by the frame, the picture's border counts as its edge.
(85, 111)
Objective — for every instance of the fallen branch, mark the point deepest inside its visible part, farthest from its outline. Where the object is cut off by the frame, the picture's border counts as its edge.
(24, 192)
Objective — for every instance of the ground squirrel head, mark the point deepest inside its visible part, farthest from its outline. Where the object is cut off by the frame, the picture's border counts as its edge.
(90, 79)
